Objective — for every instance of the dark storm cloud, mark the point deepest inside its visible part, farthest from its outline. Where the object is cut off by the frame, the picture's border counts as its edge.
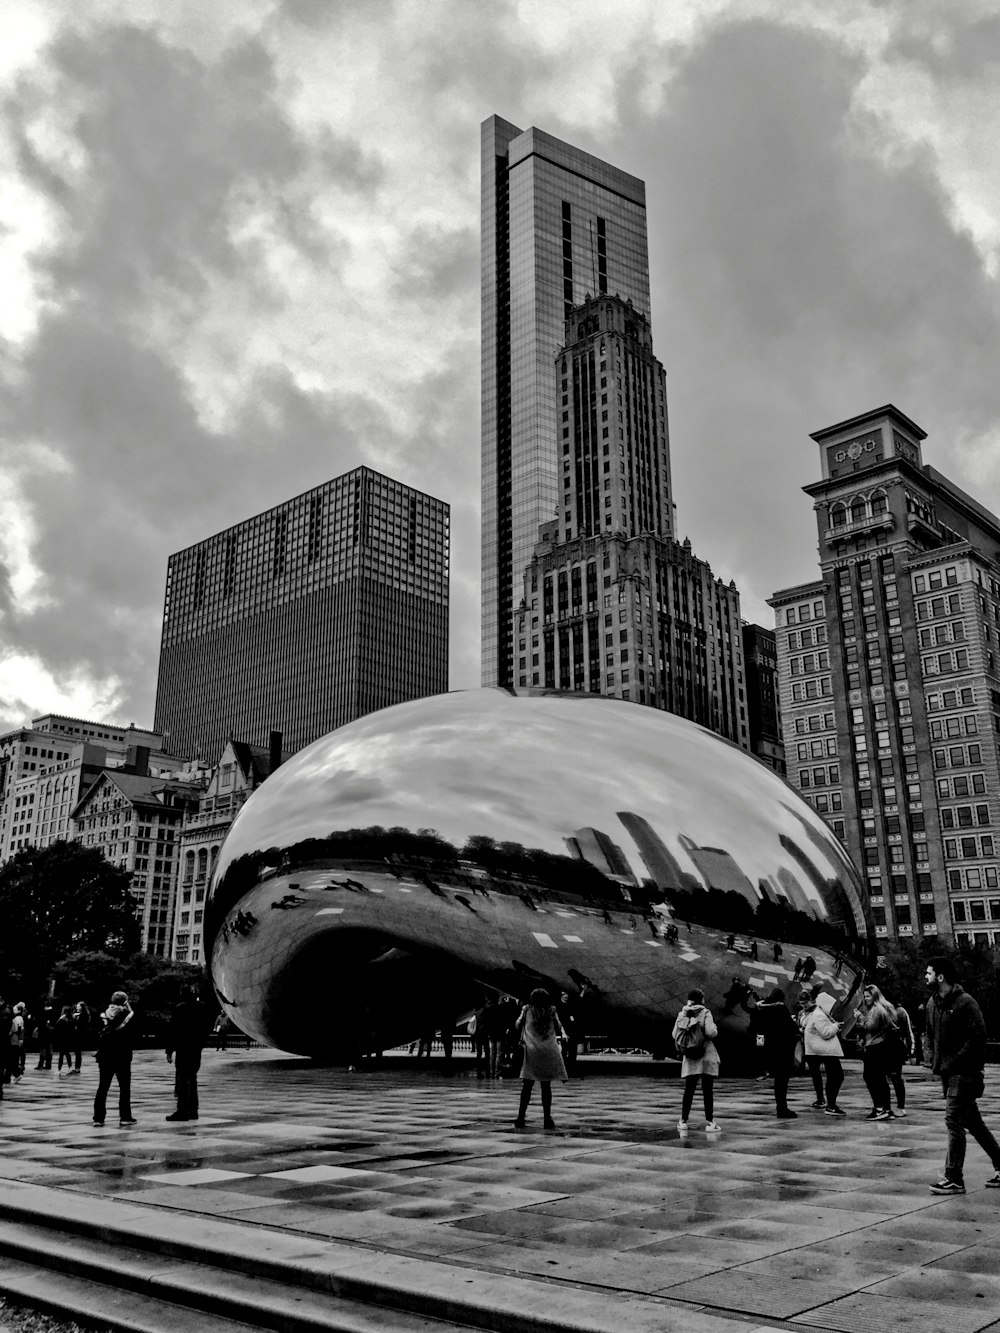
(172, 148)
(801, 276)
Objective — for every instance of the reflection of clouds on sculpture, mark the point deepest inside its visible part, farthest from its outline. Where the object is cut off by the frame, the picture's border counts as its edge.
(484, 838)
(533, 769)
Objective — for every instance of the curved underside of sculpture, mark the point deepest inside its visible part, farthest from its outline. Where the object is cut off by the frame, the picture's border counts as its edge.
(375, 885)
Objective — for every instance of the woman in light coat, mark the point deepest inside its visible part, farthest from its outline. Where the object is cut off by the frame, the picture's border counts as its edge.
(821, 1034)
(541, 1036)
(704, 1066)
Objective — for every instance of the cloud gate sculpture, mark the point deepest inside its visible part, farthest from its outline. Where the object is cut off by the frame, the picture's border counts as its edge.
(379, 882)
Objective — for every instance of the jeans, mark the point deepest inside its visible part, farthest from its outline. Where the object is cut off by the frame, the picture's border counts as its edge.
(121, 1069)
(707, 1092)
(877, 1076)
(961, 1115)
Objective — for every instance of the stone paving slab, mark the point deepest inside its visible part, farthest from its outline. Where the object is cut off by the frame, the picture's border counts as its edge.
(813, 1223)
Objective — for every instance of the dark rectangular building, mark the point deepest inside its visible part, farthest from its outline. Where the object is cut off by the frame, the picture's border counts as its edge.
(313, 613)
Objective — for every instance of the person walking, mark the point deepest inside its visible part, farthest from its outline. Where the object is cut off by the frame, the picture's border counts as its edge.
(114, 1058)
(899, 1053)
(189, 1026)
(693, 1037)
(877, 1019)
(541, 1037)
(780, 1032)
(64, 1038)
(957, 1050)
(821, 1036)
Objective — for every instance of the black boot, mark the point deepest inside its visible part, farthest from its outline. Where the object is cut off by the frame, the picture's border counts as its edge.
(526, 1087)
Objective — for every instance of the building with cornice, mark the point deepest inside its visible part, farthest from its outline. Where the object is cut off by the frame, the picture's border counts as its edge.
(889, 680)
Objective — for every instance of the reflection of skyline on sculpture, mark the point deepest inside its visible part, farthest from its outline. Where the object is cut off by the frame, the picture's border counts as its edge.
(697, 846)
(482, 839)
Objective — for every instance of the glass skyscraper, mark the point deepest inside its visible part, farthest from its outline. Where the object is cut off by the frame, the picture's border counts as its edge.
(557, 225)
(302, 618)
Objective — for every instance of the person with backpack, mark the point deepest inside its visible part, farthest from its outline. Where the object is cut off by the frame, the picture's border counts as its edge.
(693, 1033)
(877, 1019)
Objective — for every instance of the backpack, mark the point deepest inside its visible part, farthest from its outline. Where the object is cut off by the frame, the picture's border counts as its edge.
(690, 1039)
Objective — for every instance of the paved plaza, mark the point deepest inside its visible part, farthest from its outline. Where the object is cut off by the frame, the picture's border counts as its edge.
(809, 1223)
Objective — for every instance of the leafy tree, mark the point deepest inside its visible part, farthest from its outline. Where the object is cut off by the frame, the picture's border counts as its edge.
(153, 985)
(60, 900)
(901, 967)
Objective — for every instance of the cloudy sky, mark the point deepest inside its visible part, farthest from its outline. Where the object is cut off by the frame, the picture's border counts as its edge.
(239, 255)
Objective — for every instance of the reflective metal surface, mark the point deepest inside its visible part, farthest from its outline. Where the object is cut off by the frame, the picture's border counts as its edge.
(377, 881)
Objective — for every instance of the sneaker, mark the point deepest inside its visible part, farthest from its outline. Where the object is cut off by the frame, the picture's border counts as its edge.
(519, 1124)
(819, 1106)
(99, 1122)
(900, 1111)
(950, 1187)
(548, 1123)
(712, 1127)
(682, 1129)
(786, 1114)
(884, 1114)
(835, 1110)
(176, 1116)
(123, 1123)
(994, 1182)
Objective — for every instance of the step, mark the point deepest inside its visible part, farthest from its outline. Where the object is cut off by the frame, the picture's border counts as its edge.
(212, 1257)
(200, 1289)
(78, 1298)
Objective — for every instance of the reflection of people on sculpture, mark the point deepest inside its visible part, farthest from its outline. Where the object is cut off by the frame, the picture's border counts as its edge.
(540, 1032)
(736, 994)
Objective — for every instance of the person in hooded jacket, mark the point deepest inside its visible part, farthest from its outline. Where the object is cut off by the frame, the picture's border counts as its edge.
(821, 1034)
(702, 1066)
(780, 1032)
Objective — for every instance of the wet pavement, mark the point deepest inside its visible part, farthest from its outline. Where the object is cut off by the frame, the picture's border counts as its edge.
(811, 1223)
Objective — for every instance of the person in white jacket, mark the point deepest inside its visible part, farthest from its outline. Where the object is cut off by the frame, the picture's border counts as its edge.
(821, 1037)
(693, 1033)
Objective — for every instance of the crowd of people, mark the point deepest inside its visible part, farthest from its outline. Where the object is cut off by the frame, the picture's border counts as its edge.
(951, 1041)
(111, 1034)
(537, 1042)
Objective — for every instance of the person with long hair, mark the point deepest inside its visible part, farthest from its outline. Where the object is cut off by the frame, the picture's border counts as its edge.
(877, 1020)
(541, 1034)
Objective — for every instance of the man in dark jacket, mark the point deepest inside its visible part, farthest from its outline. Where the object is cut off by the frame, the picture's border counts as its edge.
(772, 1020)
(957, 1040)
(114, 1058)
(189, 1027)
